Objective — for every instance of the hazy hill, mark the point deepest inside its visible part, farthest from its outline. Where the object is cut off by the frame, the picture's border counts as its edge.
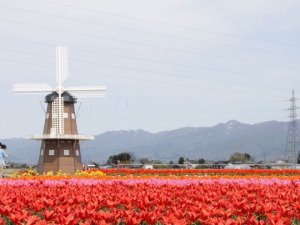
(215, 143)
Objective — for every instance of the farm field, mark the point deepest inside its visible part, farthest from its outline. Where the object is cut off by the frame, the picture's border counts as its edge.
(153, 197)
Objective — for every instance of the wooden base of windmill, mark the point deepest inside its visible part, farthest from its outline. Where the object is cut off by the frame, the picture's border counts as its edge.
(60, 155)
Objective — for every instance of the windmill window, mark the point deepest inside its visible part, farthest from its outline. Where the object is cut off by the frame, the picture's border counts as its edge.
(77, 152)
(51, 152)
(42, 152)
(66, 115)
(66, 152)
(47, 116)
(73, 116)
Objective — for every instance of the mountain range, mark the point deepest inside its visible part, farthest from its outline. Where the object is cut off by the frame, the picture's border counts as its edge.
(262, 140)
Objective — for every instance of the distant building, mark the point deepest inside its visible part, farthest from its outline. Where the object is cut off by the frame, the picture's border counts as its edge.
(220, 164)
(147, 166)
(237, 166)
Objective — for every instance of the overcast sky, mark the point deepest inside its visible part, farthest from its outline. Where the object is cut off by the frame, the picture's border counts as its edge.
(166, 64)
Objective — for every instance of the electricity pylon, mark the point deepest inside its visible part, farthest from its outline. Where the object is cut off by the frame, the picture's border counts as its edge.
(292, 140)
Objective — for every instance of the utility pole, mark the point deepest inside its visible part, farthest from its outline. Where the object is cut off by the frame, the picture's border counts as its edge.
(292, 140)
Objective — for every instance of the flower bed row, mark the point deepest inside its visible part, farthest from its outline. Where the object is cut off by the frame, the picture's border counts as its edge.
(150, 201)
(179, 172)
(246, 173)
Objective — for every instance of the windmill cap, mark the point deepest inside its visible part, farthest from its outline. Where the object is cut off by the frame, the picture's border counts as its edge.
(66, 95)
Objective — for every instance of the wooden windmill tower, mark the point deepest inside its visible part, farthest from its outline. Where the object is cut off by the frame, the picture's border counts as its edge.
(60, 149)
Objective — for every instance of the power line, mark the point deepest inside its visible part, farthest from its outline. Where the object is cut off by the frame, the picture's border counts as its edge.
(184, 65)
(28, 41)
(177, 75)
(153, 72)
(153, 46)
(143, 80)
(148, 32)
(167, 24)
(151, 60)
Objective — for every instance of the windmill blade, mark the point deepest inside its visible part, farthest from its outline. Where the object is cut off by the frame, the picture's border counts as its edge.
(61, 64)
(92, 91)
(58, 116)
(34, 88)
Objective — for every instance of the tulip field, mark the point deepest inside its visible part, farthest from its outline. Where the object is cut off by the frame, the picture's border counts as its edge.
(159, 197)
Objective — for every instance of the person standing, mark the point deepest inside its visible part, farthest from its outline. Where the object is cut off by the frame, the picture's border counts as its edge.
(3, 155)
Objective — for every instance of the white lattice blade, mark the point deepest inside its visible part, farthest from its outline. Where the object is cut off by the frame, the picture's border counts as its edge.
(57, 116)
(61, 64)
(33, 88)
(90, 91)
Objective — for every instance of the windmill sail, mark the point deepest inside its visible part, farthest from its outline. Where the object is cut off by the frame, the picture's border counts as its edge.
(58, 104)
(61, 64)
(34, 88)
(91, 91)
(57, 116)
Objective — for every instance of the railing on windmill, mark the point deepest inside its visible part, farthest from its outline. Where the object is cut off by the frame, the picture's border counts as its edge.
(61, 136)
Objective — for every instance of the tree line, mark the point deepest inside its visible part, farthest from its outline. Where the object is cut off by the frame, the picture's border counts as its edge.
(128, 158)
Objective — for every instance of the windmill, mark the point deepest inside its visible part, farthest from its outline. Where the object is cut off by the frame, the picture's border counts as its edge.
(60, 149)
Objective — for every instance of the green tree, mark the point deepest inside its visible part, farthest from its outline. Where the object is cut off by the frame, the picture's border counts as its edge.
(237, 156)
(181, 160)
(201, 161)
(242, 157)
(122, 157)
(144, 161)
(247, 157)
